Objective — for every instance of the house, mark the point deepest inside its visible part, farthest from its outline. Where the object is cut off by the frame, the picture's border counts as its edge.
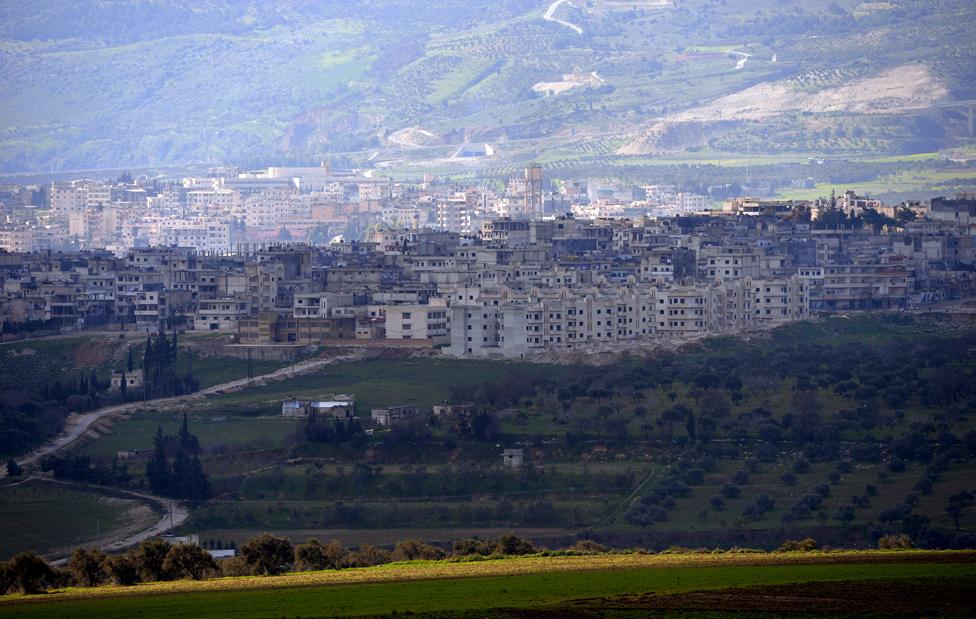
(223, 554)
(512, 458)
(338, 407)
(395, 414)
(133, 379)
(449, 409)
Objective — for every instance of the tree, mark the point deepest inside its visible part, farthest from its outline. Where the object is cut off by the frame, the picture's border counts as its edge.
(150, 557)
(122, 569)
(29, 573)
(313, 555)
(368, 556)
(13, 469)
(511, 544)
(188, 561)
(412, 550)
(268, 554)
(158, 470)
(87, 566)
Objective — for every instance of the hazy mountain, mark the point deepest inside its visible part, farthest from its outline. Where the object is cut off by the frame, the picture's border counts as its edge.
(119, 83)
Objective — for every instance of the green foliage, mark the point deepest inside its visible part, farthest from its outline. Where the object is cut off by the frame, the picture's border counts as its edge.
(268, 554)
(87, 565)
(29, 573)
(188, 561)
(122, 569)
(150, 557)
(804, 545)
(313, 555)
(413, 550)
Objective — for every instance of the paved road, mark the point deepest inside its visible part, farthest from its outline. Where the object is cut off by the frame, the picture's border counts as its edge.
(78, 424)
(174, 513)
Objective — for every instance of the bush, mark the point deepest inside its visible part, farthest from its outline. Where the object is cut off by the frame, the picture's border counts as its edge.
(368, 556)
(122, 569)
(268, 554)
(468, 547)
(511, 544)
(412, 550)
(188, 561)
(87, 566)
(805, 545)
(587, 545)
(731, 491)
(895, 542)
(29, 573)
(235, 566)
(313, 555)
(788, 478)
(150, 556)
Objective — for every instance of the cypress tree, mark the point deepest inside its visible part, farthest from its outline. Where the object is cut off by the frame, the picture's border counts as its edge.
(158, 470)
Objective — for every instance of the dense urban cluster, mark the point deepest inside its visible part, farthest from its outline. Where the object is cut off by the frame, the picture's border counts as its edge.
(300, 256)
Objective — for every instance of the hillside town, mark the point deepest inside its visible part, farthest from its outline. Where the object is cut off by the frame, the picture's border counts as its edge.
(301, 256)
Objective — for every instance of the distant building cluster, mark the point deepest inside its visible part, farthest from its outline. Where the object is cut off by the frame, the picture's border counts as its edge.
(486, 272)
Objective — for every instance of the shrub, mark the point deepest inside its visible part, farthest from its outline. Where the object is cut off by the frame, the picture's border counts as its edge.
(29, 573)
(412, 550)
(122, 569)
(268, 554)
(87, 566)
(801, 466)
(313, 555)
(150, 556)
(368, 556)
(895, 542)
(731, 491)
(468, 547)
(235, 566)
(188, 561)
(587, 545)
(788, 478)
(511, 544)
(804, 545)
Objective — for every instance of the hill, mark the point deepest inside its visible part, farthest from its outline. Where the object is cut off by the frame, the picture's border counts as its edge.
(595, 87)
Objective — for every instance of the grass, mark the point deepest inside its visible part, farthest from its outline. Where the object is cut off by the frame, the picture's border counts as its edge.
(135, 432)
(46, 517)
(532, 582)
(422, 382)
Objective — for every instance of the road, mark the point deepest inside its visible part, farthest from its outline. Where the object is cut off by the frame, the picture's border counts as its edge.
(174, 513)
(78, 424)
(551, 11)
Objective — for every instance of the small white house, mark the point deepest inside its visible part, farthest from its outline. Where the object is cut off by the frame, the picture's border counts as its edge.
(512, 458)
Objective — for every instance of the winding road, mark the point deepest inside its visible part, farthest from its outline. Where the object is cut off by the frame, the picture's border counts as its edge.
(173, 513)
(551, 11)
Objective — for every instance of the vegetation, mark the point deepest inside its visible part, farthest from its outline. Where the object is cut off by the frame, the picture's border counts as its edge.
(515, 582)
(356, 73)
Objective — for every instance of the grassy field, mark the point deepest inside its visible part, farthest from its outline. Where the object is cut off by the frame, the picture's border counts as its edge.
(528, 583)
(420, 382)
(45, 517)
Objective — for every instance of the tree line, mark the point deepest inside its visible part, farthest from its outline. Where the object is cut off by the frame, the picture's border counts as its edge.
(157, 560)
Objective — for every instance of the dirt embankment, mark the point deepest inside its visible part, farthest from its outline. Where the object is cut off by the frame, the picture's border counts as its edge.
(904, 88)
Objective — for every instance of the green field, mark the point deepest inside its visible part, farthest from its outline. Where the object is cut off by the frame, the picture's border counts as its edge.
(45, 517)
(421, 382)
(524, 583)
